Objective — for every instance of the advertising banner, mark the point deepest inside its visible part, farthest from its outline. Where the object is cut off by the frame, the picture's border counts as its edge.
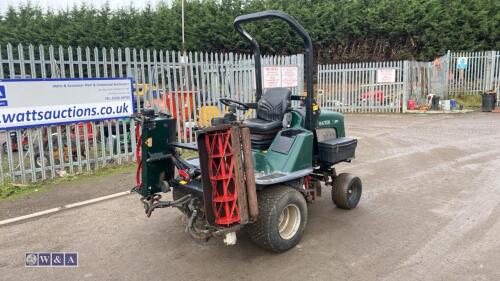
(38, 102)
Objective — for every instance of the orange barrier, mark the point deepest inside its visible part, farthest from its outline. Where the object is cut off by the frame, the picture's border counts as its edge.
(173, 104)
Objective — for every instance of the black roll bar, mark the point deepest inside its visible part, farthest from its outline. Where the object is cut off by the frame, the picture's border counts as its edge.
(308, 50)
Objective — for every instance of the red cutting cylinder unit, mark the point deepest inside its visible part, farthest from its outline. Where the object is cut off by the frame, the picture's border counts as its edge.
(221, 170)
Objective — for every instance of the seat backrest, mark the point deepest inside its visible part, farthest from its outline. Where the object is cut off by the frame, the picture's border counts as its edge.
(274, 104)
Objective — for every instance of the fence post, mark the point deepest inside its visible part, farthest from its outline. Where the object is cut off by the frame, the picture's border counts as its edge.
(495, 74)
(490, 70)
(344, 89)
(319, 91)
(405, 85)
(447, 74)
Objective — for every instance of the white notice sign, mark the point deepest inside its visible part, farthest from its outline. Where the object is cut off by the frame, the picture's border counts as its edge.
(386, 75)
(272, 77)
(276, 76)
(289, 76)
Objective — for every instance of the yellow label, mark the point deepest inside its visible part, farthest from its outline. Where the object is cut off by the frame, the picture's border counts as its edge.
(149, 142)
(183, 182)
(315, 107)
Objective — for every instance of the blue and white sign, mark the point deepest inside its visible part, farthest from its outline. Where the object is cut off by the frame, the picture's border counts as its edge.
(462, 63)
(37, 102)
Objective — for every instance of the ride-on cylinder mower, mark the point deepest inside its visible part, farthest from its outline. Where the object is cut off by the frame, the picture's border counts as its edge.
(257, 175)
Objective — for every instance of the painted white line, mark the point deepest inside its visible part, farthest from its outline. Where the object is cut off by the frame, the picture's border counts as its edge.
(65, 207)
(86, 202)
(37, 214)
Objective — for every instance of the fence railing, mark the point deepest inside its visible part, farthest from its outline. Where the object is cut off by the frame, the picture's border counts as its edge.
(187, 85)
(478, 74)
(357, 87)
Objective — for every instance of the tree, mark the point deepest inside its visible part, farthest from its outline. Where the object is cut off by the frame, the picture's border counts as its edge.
(342, 30)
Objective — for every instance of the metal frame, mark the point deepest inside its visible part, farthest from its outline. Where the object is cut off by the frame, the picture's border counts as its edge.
(308, 50)
(284, 178)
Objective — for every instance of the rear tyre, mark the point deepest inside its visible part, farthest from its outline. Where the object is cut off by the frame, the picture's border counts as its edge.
(4, 147)
(346, 191)
(282, 219)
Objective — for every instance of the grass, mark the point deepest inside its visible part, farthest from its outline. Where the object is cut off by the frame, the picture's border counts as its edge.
(187, 154)
(5, 164)
(10, 191)
(469, 101)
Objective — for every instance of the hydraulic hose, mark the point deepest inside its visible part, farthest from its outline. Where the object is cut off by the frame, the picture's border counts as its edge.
(165, 204)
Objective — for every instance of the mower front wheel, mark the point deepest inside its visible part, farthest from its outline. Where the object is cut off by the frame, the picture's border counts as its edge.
(282, 219)
(346, 191)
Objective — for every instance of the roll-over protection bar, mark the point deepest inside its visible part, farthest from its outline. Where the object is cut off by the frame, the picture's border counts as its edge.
(308, 50)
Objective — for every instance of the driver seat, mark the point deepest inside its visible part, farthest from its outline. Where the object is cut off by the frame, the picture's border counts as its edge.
(271, 108)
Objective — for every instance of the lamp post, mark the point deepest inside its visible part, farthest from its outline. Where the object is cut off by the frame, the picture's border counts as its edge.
(182, 7)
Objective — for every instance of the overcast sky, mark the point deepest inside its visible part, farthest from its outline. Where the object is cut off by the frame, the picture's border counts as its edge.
(63, 4)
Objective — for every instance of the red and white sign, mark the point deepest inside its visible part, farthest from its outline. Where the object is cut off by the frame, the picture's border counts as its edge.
(272, 77)
(386, 75)
(289, 76)
(276, 76)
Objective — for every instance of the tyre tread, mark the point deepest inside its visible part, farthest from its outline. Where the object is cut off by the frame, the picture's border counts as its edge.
(340, 189)
(258, 231)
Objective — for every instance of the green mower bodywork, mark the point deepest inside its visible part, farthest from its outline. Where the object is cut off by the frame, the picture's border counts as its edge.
(256, 174)
(298, 160)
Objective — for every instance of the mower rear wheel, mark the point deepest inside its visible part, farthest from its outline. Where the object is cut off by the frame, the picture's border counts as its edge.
(282, 219)
(346, 191)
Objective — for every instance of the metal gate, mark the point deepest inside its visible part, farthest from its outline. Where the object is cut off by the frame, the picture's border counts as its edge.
(478, 74)
(360, 87)
(425, 78)
(356, 87)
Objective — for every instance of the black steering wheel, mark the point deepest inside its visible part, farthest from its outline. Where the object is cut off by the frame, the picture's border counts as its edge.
(237, 104)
